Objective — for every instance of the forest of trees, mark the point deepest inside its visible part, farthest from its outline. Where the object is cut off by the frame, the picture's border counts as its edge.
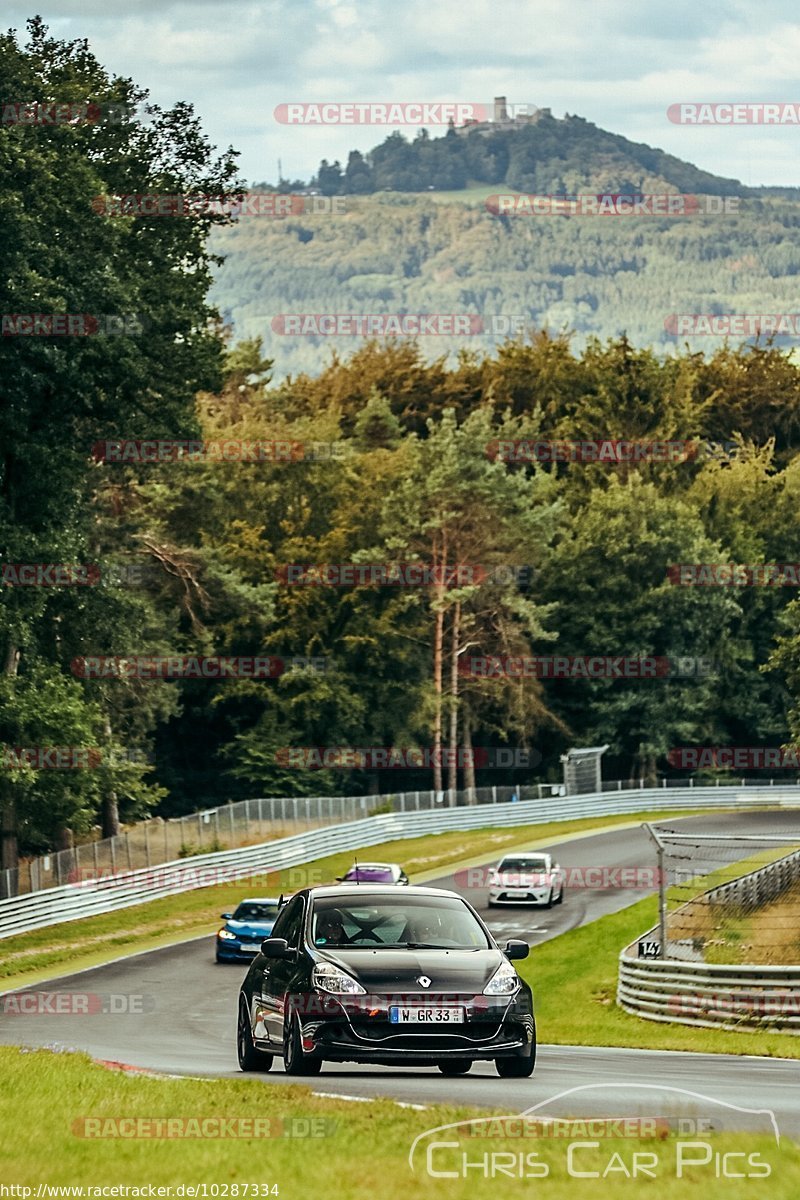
(598, 276)
(405, 470)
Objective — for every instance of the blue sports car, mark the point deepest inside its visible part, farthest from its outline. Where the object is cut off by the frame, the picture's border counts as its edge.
(244, 930)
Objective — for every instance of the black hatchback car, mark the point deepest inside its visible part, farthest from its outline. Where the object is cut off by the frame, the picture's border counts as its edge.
(375, 974)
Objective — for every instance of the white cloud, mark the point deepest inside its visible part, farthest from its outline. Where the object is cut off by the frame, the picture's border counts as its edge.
(619, 64)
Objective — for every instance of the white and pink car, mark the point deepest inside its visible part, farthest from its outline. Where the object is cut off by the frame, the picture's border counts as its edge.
(526, 878)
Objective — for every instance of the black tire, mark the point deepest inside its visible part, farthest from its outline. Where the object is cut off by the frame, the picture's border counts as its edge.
(250, 1058)
(560, 899)
(519, 1067)
(491, 904)
(550, 900)
(295, 1062)
(515, 1068)
(455, 1066)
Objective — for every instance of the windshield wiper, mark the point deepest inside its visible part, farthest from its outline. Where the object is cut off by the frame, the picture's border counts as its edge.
(436, 946)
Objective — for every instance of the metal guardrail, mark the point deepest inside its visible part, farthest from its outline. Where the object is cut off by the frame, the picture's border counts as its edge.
(22, 914)
(743, 996)
(713, 995)
(758, 887)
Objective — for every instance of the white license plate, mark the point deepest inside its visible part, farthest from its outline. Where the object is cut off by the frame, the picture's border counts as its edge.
(426, 1016)
(249, 948)
(514, 895)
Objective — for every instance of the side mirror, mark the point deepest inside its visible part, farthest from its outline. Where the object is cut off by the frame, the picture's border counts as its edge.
(226, 916)
(276, 948)
(516, 949)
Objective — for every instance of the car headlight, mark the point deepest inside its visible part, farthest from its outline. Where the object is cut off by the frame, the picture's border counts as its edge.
(226, 935)
(330, 978)
(504, 981)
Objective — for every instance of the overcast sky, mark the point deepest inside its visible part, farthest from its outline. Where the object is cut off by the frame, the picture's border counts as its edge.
(619, 63)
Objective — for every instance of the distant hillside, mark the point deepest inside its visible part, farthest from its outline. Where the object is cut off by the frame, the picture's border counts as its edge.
(595, 275)
(546, 155)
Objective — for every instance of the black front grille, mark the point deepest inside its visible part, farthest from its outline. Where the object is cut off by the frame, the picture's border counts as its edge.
(385, 1029)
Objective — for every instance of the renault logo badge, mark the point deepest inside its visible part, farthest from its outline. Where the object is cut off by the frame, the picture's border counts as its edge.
(423, 979)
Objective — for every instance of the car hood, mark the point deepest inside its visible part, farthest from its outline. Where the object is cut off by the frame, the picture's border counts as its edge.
(250, 928)
(528, 878)
(386, 971)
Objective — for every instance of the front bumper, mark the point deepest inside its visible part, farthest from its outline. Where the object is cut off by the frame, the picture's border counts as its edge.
(236, 951)
(506, 894)
(358, 1029)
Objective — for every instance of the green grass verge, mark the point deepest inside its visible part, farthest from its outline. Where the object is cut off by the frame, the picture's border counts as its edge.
(363, 1154)
(574, 978)
(75, 945)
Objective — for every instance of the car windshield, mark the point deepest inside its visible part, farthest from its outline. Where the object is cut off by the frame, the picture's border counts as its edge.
(248, 911)
(370, 875)
(409, 923)
(524, 863)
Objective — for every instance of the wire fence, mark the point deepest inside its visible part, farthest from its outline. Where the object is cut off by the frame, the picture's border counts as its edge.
(729, 898)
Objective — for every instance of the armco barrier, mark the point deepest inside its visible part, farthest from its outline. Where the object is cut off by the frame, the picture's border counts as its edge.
(713, 995)
(758, 887)
(743, 996)
(21, 914)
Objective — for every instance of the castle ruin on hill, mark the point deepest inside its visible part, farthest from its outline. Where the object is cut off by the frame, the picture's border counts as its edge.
(503, 120)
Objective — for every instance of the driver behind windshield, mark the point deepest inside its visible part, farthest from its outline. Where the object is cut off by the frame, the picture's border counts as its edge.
(330, 929)
(426, 928)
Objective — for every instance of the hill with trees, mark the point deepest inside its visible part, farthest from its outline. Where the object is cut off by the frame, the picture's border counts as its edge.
(549, 155)
(593, 275)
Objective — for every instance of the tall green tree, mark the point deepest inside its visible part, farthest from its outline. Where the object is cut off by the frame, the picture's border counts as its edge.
(62, 253)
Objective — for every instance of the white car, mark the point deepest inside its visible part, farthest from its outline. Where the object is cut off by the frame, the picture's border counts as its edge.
(526, 877)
